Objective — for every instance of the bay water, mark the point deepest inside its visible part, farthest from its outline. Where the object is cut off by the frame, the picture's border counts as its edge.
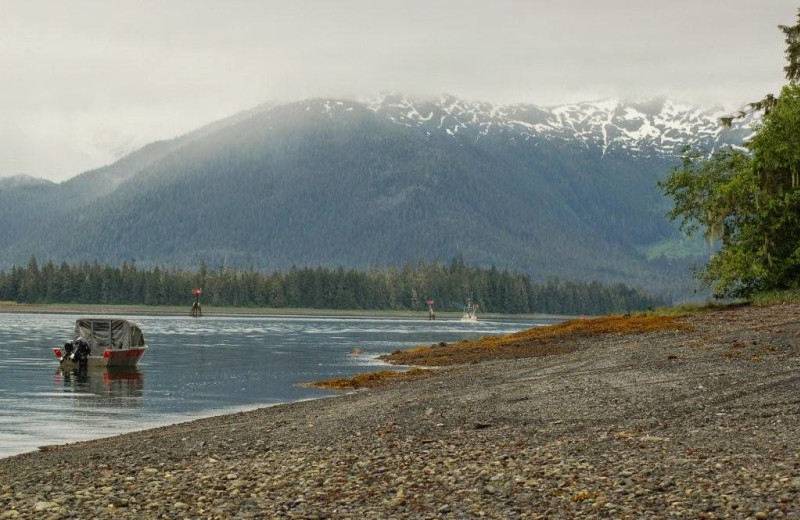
(194, 368)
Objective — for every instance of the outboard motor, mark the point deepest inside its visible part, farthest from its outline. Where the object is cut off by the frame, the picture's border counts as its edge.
(81, 355)
(69, 347)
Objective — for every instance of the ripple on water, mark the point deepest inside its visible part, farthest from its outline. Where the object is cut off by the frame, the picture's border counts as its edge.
(194, 368)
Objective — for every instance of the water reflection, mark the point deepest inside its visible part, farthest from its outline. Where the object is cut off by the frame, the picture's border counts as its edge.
(110, 387)
(195, 368)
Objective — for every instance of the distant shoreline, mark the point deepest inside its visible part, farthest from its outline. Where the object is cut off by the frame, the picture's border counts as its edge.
(209, 311)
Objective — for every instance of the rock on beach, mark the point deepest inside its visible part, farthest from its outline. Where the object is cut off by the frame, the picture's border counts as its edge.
(693, 424)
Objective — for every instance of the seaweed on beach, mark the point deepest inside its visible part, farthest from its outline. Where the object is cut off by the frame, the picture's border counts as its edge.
(370, 379)
(538, 341)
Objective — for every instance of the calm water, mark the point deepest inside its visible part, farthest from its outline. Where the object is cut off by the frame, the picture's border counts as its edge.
(194, 368)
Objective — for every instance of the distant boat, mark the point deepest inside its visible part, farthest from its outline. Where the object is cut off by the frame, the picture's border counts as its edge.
(102, 343)
(470, 311)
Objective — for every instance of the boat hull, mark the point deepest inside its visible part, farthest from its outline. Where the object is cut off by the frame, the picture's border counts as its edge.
(123, 358)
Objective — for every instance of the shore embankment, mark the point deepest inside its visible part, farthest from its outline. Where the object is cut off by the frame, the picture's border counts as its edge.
(696, 421)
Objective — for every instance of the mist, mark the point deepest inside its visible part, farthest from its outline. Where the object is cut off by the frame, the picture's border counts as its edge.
(86, 82)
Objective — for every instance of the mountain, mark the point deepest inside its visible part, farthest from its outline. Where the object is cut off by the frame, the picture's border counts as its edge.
(22, 181)
(654, 127)
(564, 191)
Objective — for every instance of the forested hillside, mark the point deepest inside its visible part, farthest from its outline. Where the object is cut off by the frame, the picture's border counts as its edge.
(322, 183)
(405, 288)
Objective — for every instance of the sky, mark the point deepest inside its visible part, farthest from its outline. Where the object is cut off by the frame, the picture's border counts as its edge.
(84, 82)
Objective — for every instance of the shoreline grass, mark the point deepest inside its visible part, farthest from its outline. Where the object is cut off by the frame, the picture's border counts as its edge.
(776, 297)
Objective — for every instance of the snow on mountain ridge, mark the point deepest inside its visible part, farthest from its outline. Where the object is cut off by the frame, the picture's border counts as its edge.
(657, 126)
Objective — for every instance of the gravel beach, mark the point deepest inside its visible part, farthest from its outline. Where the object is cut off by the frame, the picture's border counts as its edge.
(687, 424)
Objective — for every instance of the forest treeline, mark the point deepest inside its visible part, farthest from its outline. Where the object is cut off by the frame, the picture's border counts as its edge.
(391, 288)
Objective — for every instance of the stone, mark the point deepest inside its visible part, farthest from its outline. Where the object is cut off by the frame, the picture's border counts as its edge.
(44, 506)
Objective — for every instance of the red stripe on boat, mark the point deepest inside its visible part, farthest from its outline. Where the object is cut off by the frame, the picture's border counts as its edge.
(123, 354)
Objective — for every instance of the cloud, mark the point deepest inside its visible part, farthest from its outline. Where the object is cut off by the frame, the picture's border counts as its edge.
(85, 79)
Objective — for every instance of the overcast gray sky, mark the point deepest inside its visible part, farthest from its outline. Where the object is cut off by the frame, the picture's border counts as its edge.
(85, 81)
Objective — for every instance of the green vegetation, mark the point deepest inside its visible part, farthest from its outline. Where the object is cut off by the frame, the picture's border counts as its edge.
(748, 201)
(318, 288)
(674, 248)
(776, 297)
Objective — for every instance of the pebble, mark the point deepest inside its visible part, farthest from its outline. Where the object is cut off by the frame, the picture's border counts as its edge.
(610, 430)
(44, 506)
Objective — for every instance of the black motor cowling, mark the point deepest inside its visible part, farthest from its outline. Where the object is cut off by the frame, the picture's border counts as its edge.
(82, 350)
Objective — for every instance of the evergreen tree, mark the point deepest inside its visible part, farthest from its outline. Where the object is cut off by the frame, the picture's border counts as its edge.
(30, 289)
(376, 289)
(747, 204)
